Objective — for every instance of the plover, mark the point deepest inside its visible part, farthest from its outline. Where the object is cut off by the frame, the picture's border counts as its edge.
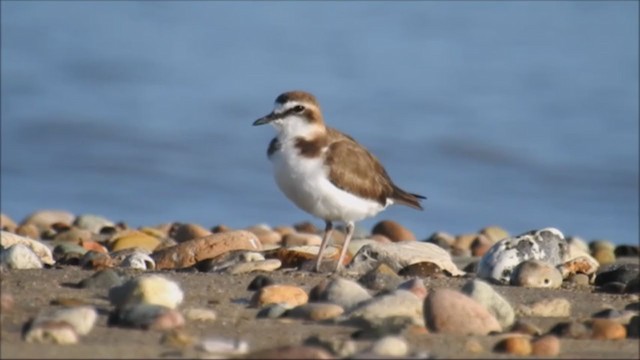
(326, 172)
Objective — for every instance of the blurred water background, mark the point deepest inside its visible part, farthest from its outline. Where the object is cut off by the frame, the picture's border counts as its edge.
(520, 114)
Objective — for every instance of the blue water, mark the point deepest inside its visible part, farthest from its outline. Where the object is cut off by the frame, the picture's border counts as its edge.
(521, 114)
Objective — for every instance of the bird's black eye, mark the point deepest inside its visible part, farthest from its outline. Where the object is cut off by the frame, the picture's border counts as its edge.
(298, 108)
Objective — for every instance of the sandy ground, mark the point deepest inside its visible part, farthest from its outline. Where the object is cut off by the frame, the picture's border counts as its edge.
(34, 290)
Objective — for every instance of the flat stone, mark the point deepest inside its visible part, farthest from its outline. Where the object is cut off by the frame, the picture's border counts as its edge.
(147, 289)
(344, 292)
(265, 234)
(20, 256)
(316, 311)
(622, 273)
(452, 312)
(301, 239)
(393, 231)
(263, 265)
(400, 303)
(556, 307)
(547, 345)
(486, 295)
(43, 219)
(499, 262)
(60, 333)
(43, 252)
(536, 274)
(190, 252)
(200, 314)
(135, 239)
(274, 294)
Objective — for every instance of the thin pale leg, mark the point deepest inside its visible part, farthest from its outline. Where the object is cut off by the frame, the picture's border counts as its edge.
(325, 241)
(350, 228)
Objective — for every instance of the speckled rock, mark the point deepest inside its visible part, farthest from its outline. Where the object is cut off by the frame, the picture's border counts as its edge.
(43, 252)
(20, 256)
(498, 263)
(185, 232)
(556, 307)
(486, 295)
(536, 274)
(316, 311)
(147, 289)
(190, 252)
(452, 312)
(344, 292)
(92, 223)
(514, 345)
(43, 219)
(547, 345)
(393, 230)
(274, 294)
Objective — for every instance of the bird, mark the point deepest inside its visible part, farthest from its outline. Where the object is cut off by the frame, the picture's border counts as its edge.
(325, 172)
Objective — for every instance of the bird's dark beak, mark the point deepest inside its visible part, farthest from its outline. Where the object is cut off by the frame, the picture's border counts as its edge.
(265, 119)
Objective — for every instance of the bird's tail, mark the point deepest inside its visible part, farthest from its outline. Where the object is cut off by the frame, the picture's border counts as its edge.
(402, 197)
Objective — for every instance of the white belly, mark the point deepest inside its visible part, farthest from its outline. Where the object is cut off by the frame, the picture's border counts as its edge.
(304, 181)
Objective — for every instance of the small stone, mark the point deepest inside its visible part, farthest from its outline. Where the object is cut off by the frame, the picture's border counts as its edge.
(135, 239)
(80, 318)
(572, 330)
(220, 229)
(494, 233)
(92, 245)
(96, 261)
(416, 287)
(390, 346)
(297, 256)
(499, 262)
(60, 333)
(622, 273)
(578, 243)
(514, 345)
(452, 312)
(43, 252)
(306, 227)
(301, 239)
(190, 252)
(200, 314)
(606, 329)
(614, 288)
(223, 346)
(92, 223)
(525, 327)
(547, 345)
(43, 219)
(103, 279)
(398, 304)
(316, 311)
(393, 230)
(464, 241)
(6, 303)
(442, 239)
(20, 256)
(138, 260)
(273, 311)
(557, 307)
(72, 235)
(284, 230)
(536, 274)
(147, 289)
(486, 295)
(63, 250)
(473, 346)
(380, 278)
(346, 293)
(265, 235)
(177, 338)
(422, 270)
(28, 230)
(7, 224)
(342, 348)
(292, 352)
(627, 250)
(480, 245)
(604, 256)
(259, 282)
(633, 329)
(263, 265)
(185, 232)
(148, 316)
(273, 294)
(584, 264)
(581, 280)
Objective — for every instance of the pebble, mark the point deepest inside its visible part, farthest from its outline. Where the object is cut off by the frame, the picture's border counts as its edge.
(316, 311)
(200, 314)
(398, 304)
(259, 282)
(301, 239)
(81, 318)
(464, 241)
(572, 330)
(292, 352)
(344, 292)
(340, 347)
(185, 232)
(273, 311)
(72, 235)
(135, 239)
(536, 274)
(422, 269)
(480, 245)
(147, 289)
(452, 312)
(297, 256)
(265, 235)
(601, 244)
(190, 252)
(382, 277)
(95, 246)
(546, 244)
(525, 327)
(604, 256)
(393, 230)
(28, 230)
(400, 255)
(224, 346)
(60, 333)
(138, 260)
(486, 295)
(494, 233)
(43, 252)
(20, 256)
(514, 345)
(43, 219)
(633, 286)
(584, 264)
(91, 222)
(103, 279)
(614, 288)
(627, 250)
(6, 303)
(306, 227)
(7, 224)
(415, 286)
(284, 230)
(390, 346)
(262, 265)
(473, 346)
(177, 338)
(607, 329)
(622, 273)
(442, 239)
(274, 294)
(633, 329)
(556, 307)
(148, 316)
(547, 345)
(63, 250)
(96, 260)
(581, 280)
